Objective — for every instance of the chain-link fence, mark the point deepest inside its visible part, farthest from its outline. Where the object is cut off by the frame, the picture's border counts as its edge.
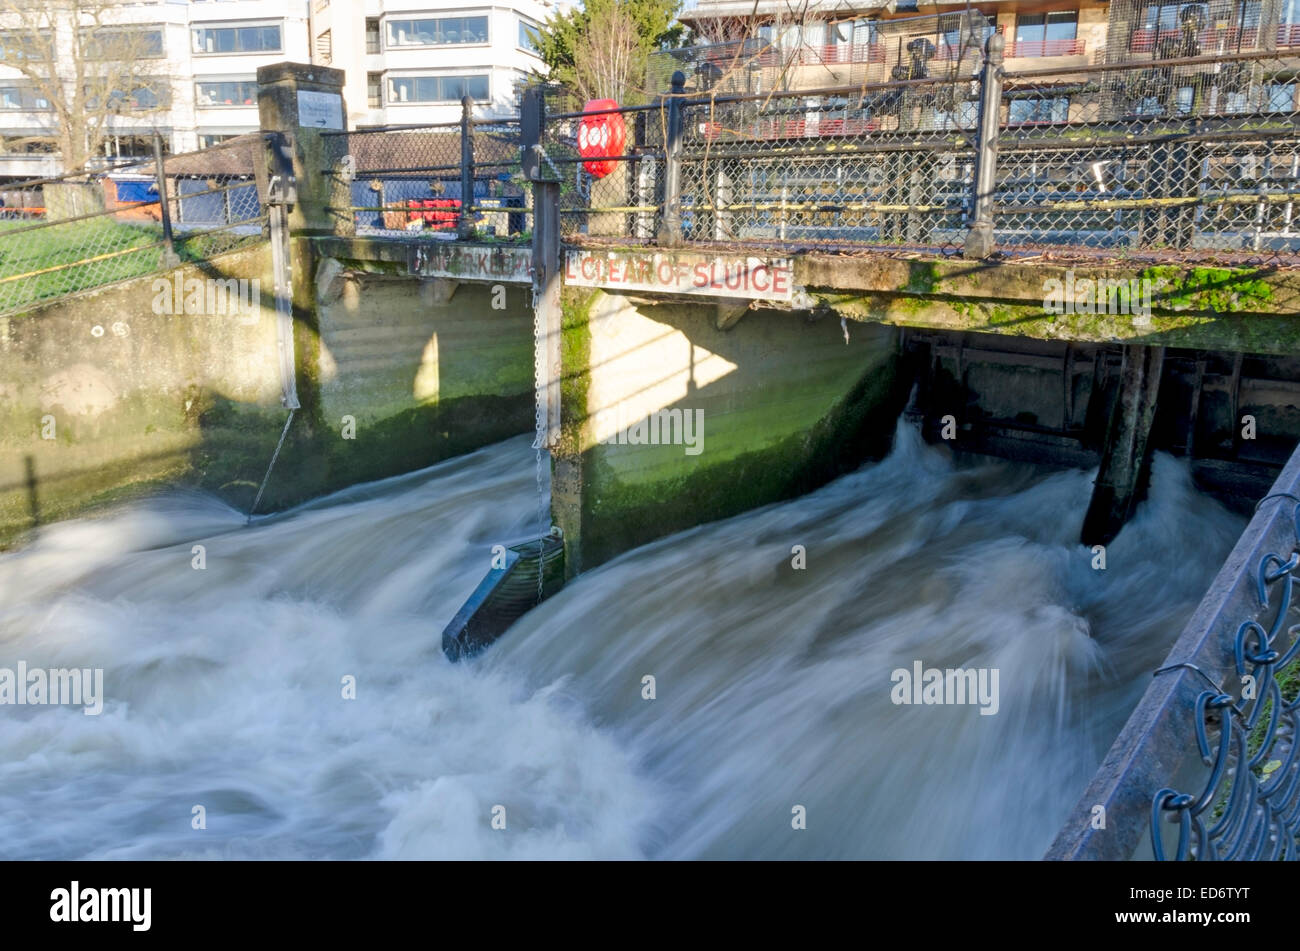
(449, 180)
(72, 233)
(1196, 155)
(1183, 158)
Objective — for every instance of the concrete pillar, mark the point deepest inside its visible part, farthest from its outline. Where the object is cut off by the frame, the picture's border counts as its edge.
(1125, 463)
(301, 102)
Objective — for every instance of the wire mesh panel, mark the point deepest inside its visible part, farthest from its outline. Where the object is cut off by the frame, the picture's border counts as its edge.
(617, 198)
(1180, 156)
(411, 180)
(502, 199)
(888, 164)
(76, 232)
(397, 180)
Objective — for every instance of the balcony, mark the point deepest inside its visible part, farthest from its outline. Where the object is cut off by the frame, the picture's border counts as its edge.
(1232, 39)
(1035, 49)
(829, 54)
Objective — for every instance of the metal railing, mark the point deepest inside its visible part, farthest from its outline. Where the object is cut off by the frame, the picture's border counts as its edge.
(72, 233)
(1249, 804)
(1220, 718)
(1182, 158)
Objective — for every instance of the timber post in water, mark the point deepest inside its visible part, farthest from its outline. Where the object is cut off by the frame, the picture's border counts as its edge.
(1126, 461)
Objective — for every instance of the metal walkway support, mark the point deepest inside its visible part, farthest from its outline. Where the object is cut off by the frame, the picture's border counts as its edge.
(1126, 461)
(1166, 744)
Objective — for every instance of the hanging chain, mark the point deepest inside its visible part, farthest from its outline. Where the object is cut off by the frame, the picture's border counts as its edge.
(274, 456)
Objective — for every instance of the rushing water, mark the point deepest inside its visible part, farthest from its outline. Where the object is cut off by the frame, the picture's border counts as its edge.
(772, 686)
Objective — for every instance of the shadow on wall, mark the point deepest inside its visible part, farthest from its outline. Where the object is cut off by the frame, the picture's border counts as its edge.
(99, 415)
(687, 423)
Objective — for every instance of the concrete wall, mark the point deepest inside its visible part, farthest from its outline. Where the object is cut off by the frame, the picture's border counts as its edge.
(102, 398)
(424, 378)
(99, 394)
(785, 404)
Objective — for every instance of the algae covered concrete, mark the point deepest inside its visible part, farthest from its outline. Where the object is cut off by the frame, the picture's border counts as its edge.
(106, 393)
(777, 405)
(417, 379)
(1250, 309)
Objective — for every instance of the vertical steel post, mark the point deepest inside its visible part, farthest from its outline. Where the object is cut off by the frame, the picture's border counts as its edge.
(546, 268)
(170, 259)
(979, 239)
(670, 226)
(465, 223)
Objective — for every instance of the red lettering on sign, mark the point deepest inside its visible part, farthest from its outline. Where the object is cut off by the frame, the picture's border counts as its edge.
(780, 280)
(760, 271)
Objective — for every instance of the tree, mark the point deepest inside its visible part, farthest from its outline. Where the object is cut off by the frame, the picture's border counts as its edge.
(91, 71)
(602, 48)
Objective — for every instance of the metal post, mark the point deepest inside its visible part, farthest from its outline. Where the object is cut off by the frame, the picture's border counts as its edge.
(281, 192)
(979, 240)
(670, 227)
(547, 313)
(465, 224)
(170, 258)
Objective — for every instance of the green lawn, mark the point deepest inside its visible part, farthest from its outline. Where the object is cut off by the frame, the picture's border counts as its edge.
(48, 262)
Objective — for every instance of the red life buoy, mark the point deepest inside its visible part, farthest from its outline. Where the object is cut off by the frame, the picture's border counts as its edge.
(601, 136)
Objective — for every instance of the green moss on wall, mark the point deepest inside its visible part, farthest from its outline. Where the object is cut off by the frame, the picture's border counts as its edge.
(1220, 290)
(618, 516)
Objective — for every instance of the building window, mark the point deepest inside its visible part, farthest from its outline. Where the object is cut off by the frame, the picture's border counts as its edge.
(226, 92)
(964, 117)
(1281, 97)
(954, 32)
(208, 140)
(527, 31)
(263, 38)
(1031, 111)
(1288, 23)
(443, 31)
(325, 47)
(22, 98)
(1183, 99)
(372, 34)
(1165, 24)
(134, 146)
(1046, 34)
(375, 90)
(147, 93)
(436, 88)
(122, 45)
(26, 45)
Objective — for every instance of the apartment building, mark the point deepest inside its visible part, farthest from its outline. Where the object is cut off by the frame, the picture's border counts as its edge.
(412, 62)
(194, 79)
(828, 42)
(195, 82)
(819, 43)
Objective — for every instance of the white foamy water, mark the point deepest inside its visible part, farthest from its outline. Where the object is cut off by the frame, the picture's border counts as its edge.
(773, 686)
